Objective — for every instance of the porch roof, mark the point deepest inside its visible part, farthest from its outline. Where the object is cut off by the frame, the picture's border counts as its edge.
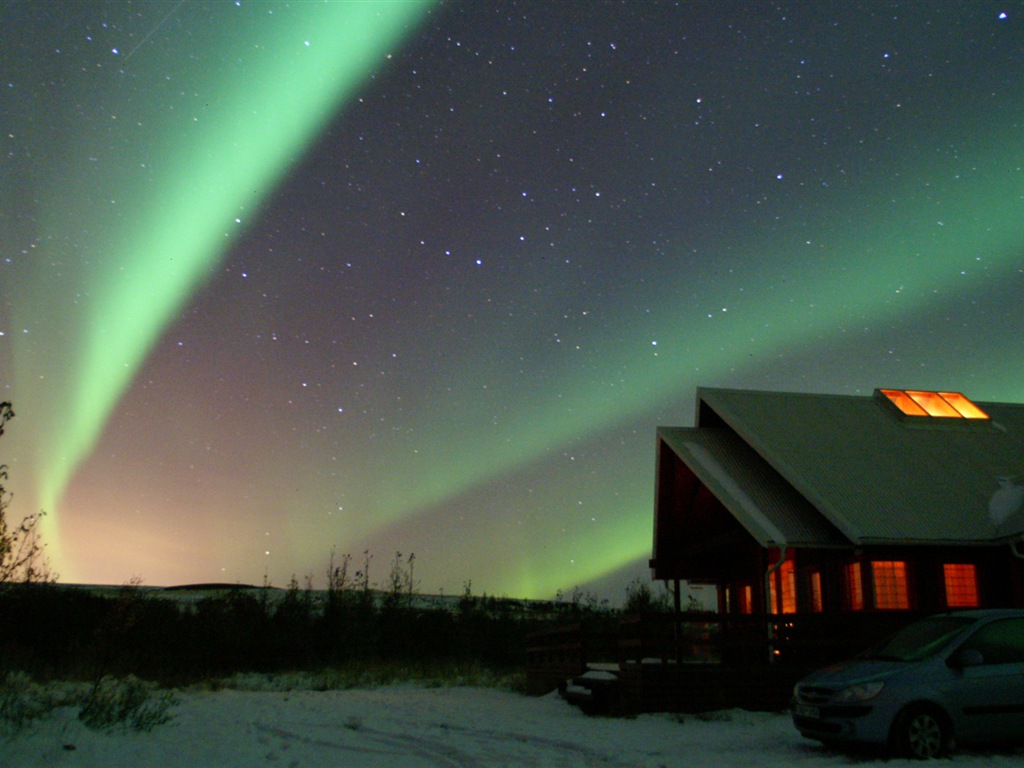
(768, 507)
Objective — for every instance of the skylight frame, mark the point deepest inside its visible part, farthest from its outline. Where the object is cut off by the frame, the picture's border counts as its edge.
(920, 406)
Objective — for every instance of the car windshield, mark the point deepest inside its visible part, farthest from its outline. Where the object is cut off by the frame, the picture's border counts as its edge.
(921, 639)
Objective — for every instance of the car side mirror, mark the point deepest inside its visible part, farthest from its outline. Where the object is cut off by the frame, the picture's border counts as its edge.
(966, 657)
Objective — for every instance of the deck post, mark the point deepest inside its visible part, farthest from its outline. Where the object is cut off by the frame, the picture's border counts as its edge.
(677, 619)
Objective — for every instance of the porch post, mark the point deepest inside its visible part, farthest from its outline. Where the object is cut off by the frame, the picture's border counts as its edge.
(768, 606)
(677, 635)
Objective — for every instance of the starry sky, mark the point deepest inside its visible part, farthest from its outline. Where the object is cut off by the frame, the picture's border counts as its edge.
(278, 279)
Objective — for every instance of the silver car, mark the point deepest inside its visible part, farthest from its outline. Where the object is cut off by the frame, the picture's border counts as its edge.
(941, 682)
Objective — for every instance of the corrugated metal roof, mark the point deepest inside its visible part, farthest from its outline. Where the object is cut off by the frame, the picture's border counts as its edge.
(768, 507)
(882, 480)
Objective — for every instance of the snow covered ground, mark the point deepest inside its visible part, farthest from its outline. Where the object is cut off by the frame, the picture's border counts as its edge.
(405, 726)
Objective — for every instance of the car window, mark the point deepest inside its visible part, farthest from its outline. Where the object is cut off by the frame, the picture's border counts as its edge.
(921, 639)
(1001, 642)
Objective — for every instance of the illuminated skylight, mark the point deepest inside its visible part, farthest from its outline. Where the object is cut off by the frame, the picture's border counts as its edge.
(942, 405)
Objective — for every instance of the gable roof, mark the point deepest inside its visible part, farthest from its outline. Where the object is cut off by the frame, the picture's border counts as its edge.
(768, 507)
(816, 470)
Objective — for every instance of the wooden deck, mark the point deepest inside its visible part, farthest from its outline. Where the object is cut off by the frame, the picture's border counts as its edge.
(694, 662)
(653, 687)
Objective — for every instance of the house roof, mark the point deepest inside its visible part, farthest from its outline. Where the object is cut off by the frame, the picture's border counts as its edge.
(821, 470)
(768, 507)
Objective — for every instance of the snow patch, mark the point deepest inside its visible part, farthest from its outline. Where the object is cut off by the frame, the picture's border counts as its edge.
(410, 727)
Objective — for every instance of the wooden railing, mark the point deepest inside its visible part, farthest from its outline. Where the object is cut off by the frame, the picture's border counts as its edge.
(701, 661)
(708, 638)
(563, 651)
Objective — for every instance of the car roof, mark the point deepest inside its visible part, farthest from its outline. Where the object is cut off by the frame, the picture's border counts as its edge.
(979, 614)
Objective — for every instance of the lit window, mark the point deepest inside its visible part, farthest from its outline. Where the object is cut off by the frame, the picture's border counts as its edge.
(934, 404)
(903, 401)
(745, 594)
(853, 594)
(963, 406)
(783, 582)
(961, 585)
(787, 575)
(943, 405)
(815, 584)
(890, 581)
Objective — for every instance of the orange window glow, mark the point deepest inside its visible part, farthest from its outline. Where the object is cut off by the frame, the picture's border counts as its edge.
(943, 405)
(902, 401)
(854, 593)
(787, 577)
(961, 585)
(782, 586)
(746, 599)
(890, 580)
(815, 584)
(933, 404)
(964, 407)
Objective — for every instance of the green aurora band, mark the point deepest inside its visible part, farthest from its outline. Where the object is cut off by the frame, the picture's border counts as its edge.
(884, 264)
(148, 234)
(182, 174)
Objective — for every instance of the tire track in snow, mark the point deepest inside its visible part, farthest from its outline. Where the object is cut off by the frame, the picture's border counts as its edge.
(439, 752)
(393, 745)
(571, 751)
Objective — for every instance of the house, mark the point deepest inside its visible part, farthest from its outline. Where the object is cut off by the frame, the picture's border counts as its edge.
(824, 523)
(850, 514)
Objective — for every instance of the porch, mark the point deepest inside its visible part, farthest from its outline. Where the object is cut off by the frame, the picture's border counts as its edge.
(694, 662)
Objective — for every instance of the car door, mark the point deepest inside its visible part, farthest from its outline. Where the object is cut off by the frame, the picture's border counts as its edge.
(990, 682)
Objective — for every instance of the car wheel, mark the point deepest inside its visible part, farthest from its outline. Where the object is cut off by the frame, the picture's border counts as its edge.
(921, 733)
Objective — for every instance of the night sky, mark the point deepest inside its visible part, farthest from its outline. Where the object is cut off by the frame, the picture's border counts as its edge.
(277, 278)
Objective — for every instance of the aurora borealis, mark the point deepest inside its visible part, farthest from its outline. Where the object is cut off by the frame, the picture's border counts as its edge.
(277, 278)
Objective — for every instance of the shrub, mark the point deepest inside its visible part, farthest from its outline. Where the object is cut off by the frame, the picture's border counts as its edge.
(124, 702)
(640, 598)
(23, 701)
(22, 558)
